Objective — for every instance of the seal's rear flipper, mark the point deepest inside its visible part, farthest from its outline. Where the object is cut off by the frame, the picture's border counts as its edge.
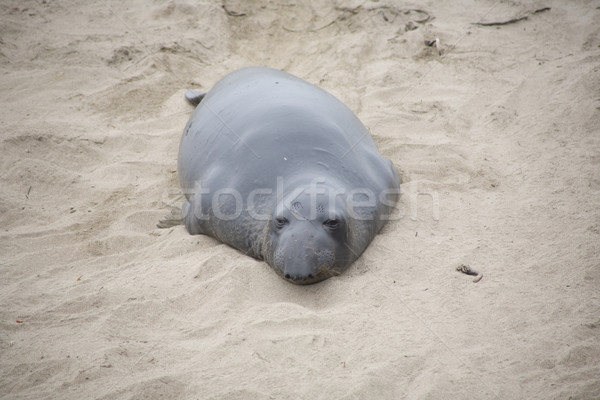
(194, 96)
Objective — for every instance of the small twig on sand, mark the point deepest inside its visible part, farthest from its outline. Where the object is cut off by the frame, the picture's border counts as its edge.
(232, 13)
(539, 10)
(426, 17)
(172, 219)
(512, 21)
(311, 30)
(28, 191)
(435, 42)
(465, 269)
(347, 12)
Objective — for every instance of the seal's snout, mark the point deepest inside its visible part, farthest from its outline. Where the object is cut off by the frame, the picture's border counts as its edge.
(302, 264)
(299, 264)
(298, 277)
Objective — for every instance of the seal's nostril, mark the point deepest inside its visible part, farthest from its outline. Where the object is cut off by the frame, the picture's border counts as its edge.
(287, 276)
(310, 276)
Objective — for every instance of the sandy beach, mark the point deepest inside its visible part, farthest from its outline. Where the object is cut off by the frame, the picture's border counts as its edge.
(496, 134)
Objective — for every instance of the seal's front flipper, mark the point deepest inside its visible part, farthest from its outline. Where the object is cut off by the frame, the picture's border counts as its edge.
(172, 219)
(194, 96)
(191, 214)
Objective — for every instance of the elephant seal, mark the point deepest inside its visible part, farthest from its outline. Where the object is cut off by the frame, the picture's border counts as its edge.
(285, 172)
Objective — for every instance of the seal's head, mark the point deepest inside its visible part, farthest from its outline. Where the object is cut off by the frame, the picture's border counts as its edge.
(308, 237)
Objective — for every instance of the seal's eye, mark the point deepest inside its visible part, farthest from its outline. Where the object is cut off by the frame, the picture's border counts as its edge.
(331, 223)
(280, 222)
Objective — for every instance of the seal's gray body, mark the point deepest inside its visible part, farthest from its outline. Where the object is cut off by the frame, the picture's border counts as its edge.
(250, 152)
